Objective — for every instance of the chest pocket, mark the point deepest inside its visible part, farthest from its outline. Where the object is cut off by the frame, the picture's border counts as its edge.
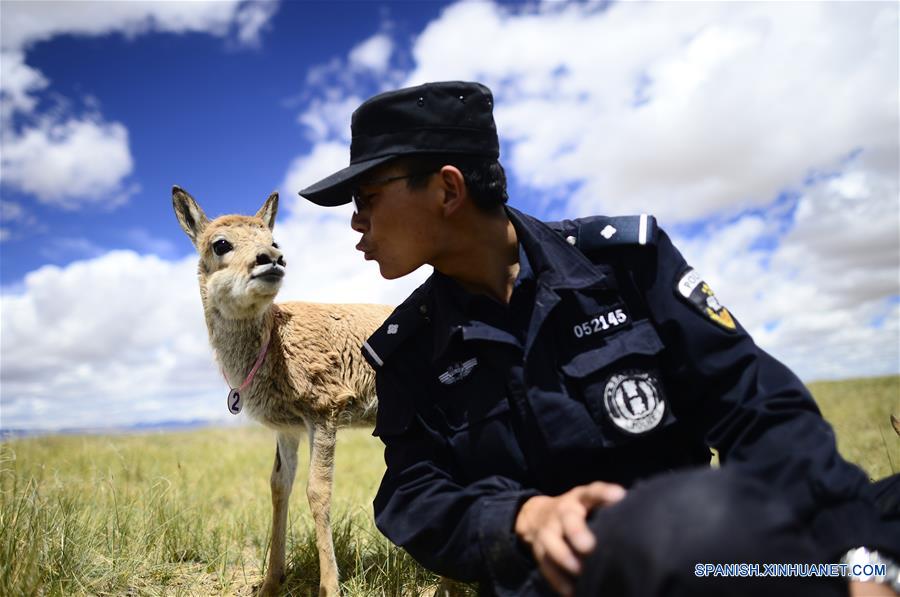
(466, 395)
(474, 417)
(620, 383)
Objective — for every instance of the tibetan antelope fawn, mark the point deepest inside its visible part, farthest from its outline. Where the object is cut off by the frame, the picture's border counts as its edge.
(293, 366)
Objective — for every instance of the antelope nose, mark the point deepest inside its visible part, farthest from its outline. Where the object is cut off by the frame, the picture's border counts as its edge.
(266, 259)
(263, 259)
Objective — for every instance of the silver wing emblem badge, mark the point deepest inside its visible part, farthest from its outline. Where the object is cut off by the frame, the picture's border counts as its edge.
(458, 371)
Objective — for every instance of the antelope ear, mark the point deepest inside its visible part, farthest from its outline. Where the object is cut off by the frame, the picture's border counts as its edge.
(189, 214)
(269, 210)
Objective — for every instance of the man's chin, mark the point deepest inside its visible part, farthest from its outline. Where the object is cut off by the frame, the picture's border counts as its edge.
(392, 273)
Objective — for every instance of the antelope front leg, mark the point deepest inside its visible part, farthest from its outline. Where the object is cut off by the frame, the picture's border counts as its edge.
(282, 482)
(318, 491)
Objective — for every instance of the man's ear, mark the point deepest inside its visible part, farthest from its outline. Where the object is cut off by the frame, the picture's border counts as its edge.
(455, 191)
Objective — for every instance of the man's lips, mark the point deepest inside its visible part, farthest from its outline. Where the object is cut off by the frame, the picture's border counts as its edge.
(365, 250)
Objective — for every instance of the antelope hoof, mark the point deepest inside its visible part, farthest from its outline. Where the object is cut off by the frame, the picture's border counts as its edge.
(329, 590)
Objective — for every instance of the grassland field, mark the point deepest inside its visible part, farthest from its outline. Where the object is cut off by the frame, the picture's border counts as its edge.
(188, 513)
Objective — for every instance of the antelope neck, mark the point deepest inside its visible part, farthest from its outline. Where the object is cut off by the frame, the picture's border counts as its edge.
(231, 340)
(256, 365)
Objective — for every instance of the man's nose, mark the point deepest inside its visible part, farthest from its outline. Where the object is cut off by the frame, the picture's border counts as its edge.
(359, 223)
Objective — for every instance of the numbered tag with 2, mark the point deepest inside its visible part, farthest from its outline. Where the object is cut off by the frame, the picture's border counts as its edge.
(234, 401)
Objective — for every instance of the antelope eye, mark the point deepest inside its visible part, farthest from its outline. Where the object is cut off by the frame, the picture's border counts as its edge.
(221, 246)
(275, 245)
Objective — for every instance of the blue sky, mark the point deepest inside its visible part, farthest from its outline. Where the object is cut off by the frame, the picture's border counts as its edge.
(762, 135)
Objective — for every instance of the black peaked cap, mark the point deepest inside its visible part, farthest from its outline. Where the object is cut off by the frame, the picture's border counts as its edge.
(447, 117)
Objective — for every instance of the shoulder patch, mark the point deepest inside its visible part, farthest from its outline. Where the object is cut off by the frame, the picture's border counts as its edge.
(692, 289)
(601, 232)
(396, 329)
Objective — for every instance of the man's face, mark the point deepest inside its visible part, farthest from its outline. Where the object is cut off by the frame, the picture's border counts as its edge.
(399, 225)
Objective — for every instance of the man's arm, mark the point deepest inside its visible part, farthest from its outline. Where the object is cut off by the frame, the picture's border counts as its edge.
(464, 532)
(752, 408)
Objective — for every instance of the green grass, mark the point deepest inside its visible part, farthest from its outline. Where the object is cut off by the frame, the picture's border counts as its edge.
(183, 513)
(188, 513)
(860, 412)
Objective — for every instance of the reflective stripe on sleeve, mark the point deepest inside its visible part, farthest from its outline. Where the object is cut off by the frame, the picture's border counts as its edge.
(373, 354)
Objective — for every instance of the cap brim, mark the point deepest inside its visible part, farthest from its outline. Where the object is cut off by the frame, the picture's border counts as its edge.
(335, 189)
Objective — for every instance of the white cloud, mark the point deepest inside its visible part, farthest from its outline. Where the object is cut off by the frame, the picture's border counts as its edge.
(824, 300)
(324, 159)
(330, 119)
(13, 213)
(846, 233)
(373, 54)
(28, 22)
(25, 23)
(92, 340)
(331, 90)
(69, 163)
(252, 18)
(72, 161)
(684, 110)
(19, 83)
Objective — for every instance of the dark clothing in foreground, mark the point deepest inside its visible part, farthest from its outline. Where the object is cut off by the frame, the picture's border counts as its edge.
(613, 361)
(653, 541)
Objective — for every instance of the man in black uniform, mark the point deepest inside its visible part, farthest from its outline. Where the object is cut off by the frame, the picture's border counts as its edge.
(549, 396)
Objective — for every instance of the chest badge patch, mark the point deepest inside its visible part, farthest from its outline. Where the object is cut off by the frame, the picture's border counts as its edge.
(692, 288)
(457, 372)
(634, 402)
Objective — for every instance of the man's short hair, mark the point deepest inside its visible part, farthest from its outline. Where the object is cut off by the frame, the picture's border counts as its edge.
(484, 176)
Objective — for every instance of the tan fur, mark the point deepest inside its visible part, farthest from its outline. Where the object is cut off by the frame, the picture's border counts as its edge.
(313, 378)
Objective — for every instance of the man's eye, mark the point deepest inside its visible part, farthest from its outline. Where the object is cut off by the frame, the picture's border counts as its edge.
(363, 201)
(221, 246)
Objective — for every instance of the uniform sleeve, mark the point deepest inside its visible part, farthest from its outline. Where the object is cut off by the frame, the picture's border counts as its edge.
(464, 532)
(755, 411)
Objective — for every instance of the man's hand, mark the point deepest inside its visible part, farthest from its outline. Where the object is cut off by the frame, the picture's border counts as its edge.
(556, 530)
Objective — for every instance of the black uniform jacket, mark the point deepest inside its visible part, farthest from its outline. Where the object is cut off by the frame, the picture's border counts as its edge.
(613, 361)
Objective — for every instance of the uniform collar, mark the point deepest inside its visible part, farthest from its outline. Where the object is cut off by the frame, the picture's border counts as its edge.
(456, 309)
(557, 264)
(545, 258)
